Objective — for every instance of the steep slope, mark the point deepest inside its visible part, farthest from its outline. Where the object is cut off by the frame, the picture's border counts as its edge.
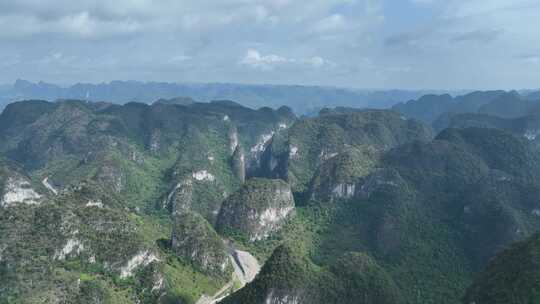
(337, 177)
(257, 210)
(527, 126)
(194, 239)
(296, 155)
(16, 187)
(440, 110)
(480, 180)
(160, 204)
(81, 234)
(434, 218)
(510, 105)
(81, 203)
(426, 108)
(429, 108)
(136, 150)
(512, 276)
(288, 277)
(431, 214)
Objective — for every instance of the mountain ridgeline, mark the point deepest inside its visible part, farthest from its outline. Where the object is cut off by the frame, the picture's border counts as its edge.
(439, 110)
(200, 203)
(302, 99)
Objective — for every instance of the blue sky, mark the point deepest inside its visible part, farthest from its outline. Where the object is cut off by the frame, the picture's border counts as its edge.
(408, 44)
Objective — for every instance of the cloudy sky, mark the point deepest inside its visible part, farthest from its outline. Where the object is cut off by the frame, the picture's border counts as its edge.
(429, 44)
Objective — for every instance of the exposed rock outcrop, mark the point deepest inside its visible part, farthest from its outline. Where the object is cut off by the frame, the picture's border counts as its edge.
(73, 246)
(203, 175)
(257, 151)
(290, 287)
(245, 265)
(45, 182)
(378, 180)
(354, 278)
(16, 187)
(18, 190)
(337, 177)
(239, 164)
(141, 259)
(180, 197)
(309, 143)
(81, 198)
(233, 139)
(194, 239)
(258, 209)
(112, 176)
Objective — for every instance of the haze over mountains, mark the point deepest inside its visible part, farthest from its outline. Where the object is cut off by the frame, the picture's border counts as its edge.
(302, 99)
(270, 152)
(181, 201)
(425, 105)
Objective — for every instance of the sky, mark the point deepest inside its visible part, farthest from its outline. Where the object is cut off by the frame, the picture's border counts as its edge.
(385, 44)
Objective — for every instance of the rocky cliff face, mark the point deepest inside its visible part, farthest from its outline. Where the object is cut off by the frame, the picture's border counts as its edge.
(289, 278)
(80, 224)
(377, 202)
(194, 239)
(233, 137)
(82, 203)
(337, 178)
(238, 160)
(463, 196)
(180, 199)
(290, 286)
(16, 188)
(258, 209)
(311, 142)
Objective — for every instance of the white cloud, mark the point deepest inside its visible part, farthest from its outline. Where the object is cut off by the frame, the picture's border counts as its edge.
(254, 59)
(57, 55)
(322, 42)
(317, 61)
(91, 18)
(79, 25)
(83, 25)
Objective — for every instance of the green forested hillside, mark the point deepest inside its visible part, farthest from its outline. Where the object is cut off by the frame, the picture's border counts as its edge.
(431, 214)
(512, 276)
(88, 190)
(184, 202)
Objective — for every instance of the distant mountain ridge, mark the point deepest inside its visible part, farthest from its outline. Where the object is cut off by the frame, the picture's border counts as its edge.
(440, 110)
(430, 107)
(302, 99)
